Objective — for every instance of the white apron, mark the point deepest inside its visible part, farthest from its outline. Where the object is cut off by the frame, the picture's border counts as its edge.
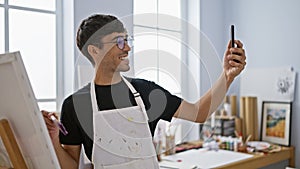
(122, 138)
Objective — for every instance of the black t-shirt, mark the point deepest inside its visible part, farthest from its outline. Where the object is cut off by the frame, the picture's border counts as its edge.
(77, 115)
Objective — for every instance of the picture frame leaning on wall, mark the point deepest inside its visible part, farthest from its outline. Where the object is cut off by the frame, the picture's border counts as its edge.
(276, 122)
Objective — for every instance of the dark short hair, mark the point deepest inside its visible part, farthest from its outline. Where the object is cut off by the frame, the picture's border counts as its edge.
(93, 29)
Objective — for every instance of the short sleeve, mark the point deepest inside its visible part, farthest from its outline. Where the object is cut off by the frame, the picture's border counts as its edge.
(166, 102)
(159, 102)
(70, 121)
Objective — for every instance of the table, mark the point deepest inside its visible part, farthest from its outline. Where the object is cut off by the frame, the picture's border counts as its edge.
(262, 160)
(196, 158)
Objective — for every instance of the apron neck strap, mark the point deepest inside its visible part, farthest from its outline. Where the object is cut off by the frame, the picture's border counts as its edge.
(93, 97)
(132, 89)
(136, 95)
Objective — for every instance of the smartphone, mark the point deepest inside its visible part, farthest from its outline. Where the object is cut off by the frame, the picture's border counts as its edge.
(232, 36)
(232, 40)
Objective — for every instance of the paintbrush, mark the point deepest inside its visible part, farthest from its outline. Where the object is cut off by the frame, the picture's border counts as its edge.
(248, 138)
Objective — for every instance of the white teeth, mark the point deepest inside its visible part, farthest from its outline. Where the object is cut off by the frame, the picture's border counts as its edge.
(124, 58)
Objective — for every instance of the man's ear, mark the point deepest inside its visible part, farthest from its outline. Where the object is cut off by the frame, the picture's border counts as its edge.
(93, 50)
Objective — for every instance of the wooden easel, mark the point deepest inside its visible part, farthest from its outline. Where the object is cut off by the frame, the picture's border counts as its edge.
(11, 145)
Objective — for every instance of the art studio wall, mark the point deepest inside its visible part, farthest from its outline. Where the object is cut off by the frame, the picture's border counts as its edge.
(270, 31)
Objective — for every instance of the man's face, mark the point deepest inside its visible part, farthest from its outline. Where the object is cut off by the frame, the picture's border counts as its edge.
(111, 57)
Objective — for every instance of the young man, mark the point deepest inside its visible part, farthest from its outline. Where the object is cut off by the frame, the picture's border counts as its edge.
(114, 117)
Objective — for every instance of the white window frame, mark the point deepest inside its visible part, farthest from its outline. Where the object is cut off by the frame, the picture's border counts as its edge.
(59, 45)
(157, 29)
(190, 13)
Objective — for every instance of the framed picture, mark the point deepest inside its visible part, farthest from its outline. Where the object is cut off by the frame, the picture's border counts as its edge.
(276, 122)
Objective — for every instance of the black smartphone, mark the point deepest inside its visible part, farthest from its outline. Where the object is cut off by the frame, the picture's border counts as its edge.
(232, 40)
(232, 35)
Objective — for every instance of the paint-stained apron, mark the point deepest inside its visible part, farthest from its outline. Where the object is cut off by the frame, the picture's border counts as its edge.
(122, 138)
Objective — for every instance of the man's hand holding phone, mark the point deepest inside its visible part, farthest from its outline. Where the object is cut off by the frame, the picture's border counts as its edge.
(234, 58)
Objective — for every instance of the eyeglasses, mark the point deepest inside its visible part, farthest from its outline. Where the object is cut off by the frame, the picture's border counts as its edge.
(121, 41)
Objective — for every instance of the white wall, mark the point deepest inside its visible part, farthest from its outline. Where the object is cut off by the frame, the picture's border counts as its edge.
(270, 31)
(216, 27)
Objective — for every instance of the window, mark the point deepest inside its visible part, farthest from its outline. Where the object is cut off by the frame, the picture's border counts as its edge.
(37, 4)
(2, 28)
(157, 34)
(167, 48)
(32, 28)
(37, 49)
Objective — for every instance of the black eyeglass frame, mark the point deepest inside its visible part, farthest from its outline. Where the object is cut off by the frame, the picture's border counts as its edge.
(121, 41)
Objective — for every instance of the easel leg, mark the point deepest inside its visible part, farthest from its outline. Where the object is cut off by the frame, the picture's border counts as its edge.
(11, 145)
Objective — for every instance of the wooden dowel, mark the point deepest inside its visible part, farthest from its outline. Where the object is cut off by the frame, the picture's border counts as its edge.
(11, 145)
